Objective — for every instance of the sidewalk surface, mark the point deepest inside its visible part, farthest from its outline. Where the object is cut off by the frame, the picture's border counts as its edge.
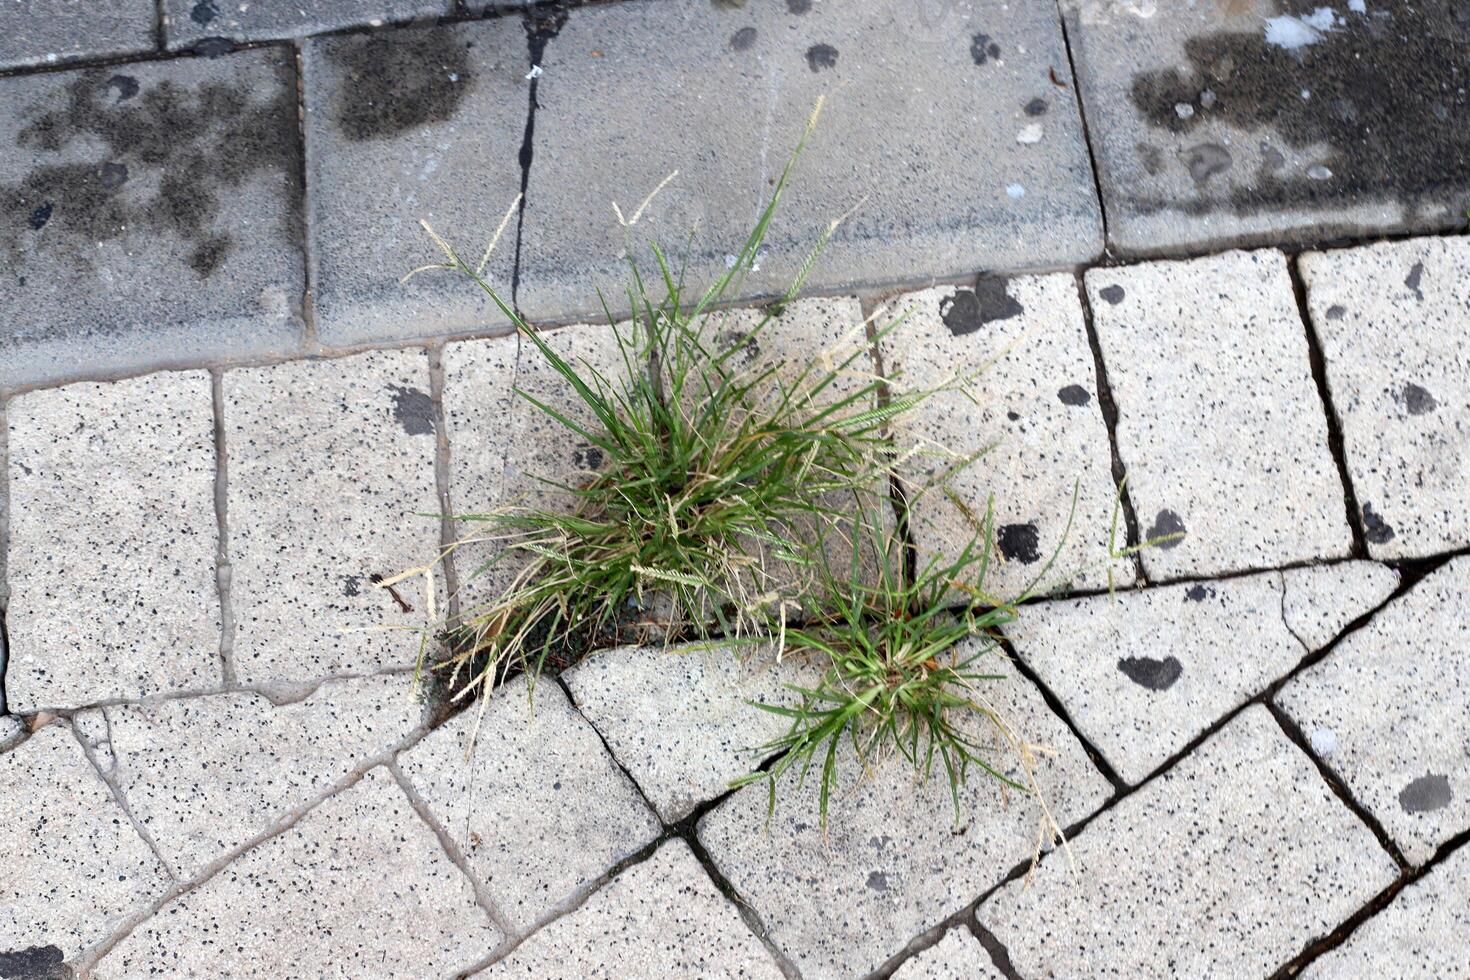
(1211, 254)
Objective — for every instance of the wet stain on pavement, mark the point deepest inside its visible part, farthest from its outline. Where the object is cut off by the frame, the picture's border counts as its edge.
(1415, 399)
(413, 409)
(1375, 528)
(1199, 593)
(1167, 524)
(203, 12)
(799, 6)
(821, 57)
(983, 49)
(1113, 294)
(35, 963)
(1413, 279)
(1019, 542)
(397, 81)
(1426, 794)
(1154, 674)
(1074, 395)
(743, 39)
(967, 310)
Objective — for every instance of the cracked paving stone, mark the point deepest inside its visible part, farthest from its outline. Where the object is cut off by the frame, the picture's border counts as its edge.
(1420, 934)
(662, 917)
(531, 797)
(1143, 673)
(112, 542)
(331, 482)
(153, 216)
(403, 126)
(74, 866)
(1394, 320)
(1029, 399)
(43, 32)
(1223, 866)
(1220, 426)
(958, 956)
(893, 858)
(206, 775)
(187, 22)
(927, 93)
(1215, 124)
(1387, 711)
(1321, 600)
(359, 887)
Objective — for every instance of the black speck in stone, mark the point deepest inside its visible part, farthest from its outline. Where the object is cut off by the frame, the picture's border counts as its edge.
(41, 215)
(1335, 312)
(1036, 107)
(203, 12)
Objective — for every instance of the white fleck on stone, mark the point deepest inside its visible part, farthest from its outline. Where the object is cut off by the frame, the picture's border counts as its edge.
(1396, 342)
(1321, 600)
(1397, 693)
(1358, 6)
(1292, 32)
(1207, 99)
(74, 866)
(1220, 425)
(1030, 133)
(893, 859)
(112, 542)
(1015, 191)
(958, 956)
(1201, 834)
(1319, 172)
(662, 917)
(538, 807)
(1324, 742)
(206, 775)
(331, 481)
(1183, 110)
(359, 887)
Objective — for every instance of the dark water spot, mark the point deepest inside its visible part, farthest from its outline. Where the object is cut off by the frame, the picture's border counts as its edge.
(743, 39)
(799, 6)
(399, 80)
(1426, 794)
(1416, 399)
(1156, 675)
(41, 215)
(1036, 107)
(1199, 593)
(1014, 416)
(1390, 102)
(1271, 158)
(1375, 528)
(207, 256)
(821, 56)
(125, 86)
(198, 144)
(1113, 294)
(351, 585)
(1414, 278)
(727, 4)
(983, 48)
(1074, 395)
(1019, 542)
(1206, 160)
(1167, 523)
(35, 963)
(413, 409)
(213, 47)
(587, 458)
(878, 881)
(1336, 312)
(1151, 157)
(967, 310)
(203, 12)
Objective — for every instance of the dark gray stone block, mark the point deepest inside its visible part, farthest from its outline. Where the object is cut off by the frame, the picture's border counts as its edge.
(43, 32)
(186, 22)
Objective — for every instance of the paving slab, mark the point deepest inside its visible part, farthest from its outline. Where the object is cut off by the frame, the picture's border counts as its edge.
(331, 481)
(1229, 864)
(531, 797)
(1027, 397)
(1220, 426)
(680, 719)
(112, 542)
(1394, 321)
(156, 216)
(75, 867)
(958, 956)
(403, 126)
(662, 917)
(893, 858)
(44, 32)
(1387, 712)
(1420, 934)
(926, 97)
(360, 887)
(206, 775)
(1320, 601)
(187, 22)
(1223, 123)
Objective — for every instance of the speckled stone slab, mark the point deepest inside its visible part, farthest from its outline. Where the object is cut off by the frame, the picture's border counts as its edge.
(1024, 391)
(361, 886)
(531, 797)
(662, 917)
(925, 91)
(1227, 865)
(75, 867)
(1420, 934)
(1220, 426)
(153, 216)
(186, 22)
(403, 126)
(44, 32)
(206, 775)
(958, 956)
(1394, 320)
(889, 859)
(331, 481)
(112, 542)
(1387, 711)
(1322, 600)
(1220, 123)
